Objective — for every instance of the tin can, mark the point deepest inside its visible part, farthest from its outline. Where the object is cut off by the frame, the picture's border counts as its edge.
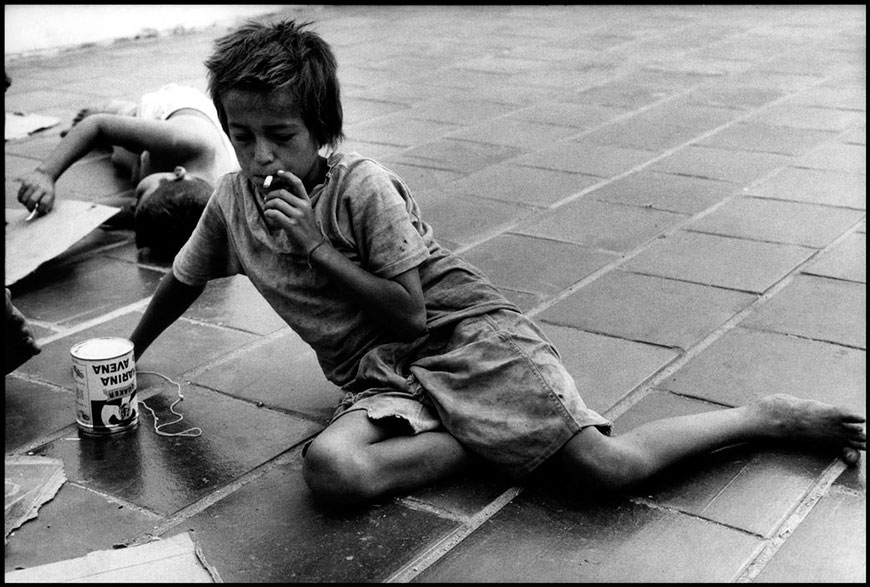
(104, 372)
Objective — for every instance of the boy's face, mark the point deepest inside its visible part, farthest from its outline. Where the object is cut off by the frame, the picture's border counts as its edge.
(268, 135)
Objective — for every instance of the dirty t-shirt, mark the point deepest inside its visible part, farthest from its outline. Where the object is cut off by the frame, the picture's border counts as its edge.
(368, 214)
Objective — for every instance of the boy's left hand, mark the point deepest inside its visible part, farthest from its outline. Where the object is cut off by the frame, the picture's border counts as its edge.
(290, 209)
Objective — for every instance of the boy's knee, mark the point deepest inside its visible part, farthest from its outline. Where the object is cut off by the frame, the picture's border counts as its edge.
(602, 463)
(338, 475)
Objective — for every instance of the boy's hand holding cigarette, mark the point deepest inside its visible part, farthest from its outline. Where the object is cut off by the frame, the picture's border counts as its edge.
(288, 207)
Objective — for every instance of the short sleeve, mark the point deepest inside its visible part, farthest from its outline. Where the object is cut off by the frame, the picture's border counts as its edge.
(207, 254)
(386, 237)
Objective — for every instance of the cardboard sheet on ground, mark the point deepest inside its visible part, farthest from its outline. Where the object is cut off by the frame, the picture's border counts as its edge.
(173, 560)
(19, 124)
(30, 482)
(30, 244)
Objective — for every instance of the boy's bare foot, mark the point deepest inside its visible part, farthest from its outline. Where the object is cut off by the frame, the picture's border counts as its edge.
(786, 417)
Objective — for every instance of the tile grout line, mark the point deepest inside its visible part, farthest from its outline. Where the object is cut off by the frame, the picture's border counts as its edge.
(433, 554)
(635, 396)
(771, 546)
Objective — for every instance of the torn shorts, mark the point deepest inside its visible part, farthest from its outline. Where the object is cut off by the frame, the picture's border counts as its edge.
(494, 382)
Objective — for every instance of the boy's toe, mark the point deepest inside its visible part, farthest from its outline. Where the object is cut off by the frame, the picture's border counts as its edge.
(850, 456)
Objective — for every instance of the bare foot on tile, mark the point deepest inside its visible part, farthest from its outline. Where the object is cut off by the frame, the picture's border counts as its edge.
(785, 417)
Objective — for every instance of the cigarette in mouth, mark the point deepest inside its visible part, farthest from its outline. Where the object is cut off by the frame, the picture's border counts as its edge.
(268, 182)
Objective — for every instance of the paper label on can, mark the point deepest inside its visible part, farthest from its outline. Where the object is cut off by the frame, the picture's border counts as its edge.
(105, 389)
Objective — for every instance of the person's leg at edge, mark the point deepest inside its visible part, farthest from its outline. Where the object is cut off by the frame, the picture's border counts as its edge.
(356, 460)
(599, 462)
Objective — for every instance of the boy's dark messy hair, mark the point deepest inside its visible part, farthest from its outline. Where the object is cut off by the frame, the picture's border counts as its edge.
(165, 218)
(284, 55)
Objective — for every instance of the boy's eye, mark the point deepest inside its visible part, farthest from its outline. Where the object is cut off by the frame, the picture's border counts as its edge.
(240, 138)
(284, 138)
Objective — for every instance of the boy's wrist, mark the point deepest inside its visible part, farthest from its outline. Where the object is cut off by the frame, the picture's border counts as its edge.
(323, 240)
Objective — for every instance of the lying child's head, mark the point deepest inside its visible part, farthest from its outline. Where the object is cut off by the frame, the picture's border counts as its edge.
(167, 214)
(282, 56)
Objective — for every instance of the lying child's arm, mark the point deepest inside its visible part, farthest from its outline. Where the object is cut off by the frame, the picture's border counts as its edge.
(170, 301)
(169, 140)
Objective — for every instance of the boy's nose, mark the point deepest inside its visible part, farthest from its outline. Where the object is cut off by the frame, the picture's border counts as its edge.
(263, 152)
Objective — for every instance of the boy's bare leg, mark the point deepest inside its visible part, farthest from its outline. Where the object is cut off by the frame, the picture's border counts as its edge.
(597, 461)
(356, 460)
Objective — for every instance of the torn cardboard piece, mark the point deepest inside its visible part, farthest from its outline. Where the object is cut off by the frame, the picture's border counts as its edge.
(20, 125)
(30, 243)
(30, 482)
(173, 560)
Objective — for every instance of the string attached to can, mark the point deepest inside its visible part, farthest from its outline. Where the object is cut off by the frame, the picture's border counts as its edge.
(157, 428)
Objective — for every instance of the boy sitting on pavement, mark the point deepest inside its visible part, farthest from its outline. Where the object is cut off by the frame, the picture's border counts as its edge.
(172, 144)
(438, 368)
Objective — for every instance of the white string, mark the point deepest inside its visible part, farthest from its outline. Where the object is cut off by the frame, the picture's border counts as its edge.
(157, 428)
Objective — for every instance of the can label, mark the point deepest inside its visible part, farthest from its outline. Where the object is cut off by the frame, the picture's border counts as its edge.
(105, 376)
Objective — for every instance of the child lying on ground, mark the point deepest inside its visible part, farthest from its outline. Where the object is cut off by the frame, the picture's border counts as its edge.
(175, 150)
(437, 366)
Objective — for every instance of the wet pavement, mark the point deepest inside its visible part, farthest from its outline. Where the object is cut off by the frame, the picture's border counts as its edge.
(677, 194)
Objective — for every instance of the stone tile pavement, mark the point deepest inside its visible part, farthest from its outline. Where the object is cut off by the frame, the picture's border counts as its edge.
(676, 193)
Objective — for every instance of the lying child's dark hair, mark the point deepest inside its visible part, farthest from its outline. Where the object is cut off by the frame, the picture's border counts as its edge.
(165, 219)
(265, 57)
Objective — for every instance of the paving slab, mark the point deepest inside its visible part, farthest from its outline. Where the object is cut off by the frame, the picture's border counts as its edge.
(80, 291)
(606, 369)
(280, 534)
(586, 158)
(454, 110)
(818, 308)
(832, 188)
(398, 129)
(644, 135)
(719, 261)
(182, 347)
(738, 167)
(463, 220)
(729, 95)
(750, 488)
(525, 135)
(767, 138)
(834, 156)
(281, 372)
(778, 221)
(647, 309)
(523, 185)
(847, 260)
(568, 114)
(744, 365)
(165, 474)
(456, 155)
(592, 223)
(662, 191)
(829, 546)
(554, 538)
(235, 303)
(809, 117)
(35, 410)
(419, 177)
(535, 265)
(75, 522)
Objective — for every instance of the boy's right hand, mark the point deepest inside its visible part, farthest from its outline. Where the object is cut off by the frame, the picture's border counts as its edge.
(37, 192)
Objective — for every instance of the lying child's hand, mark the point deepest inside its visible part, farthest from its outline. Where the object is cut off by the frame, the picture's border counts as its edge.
(37, 192)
